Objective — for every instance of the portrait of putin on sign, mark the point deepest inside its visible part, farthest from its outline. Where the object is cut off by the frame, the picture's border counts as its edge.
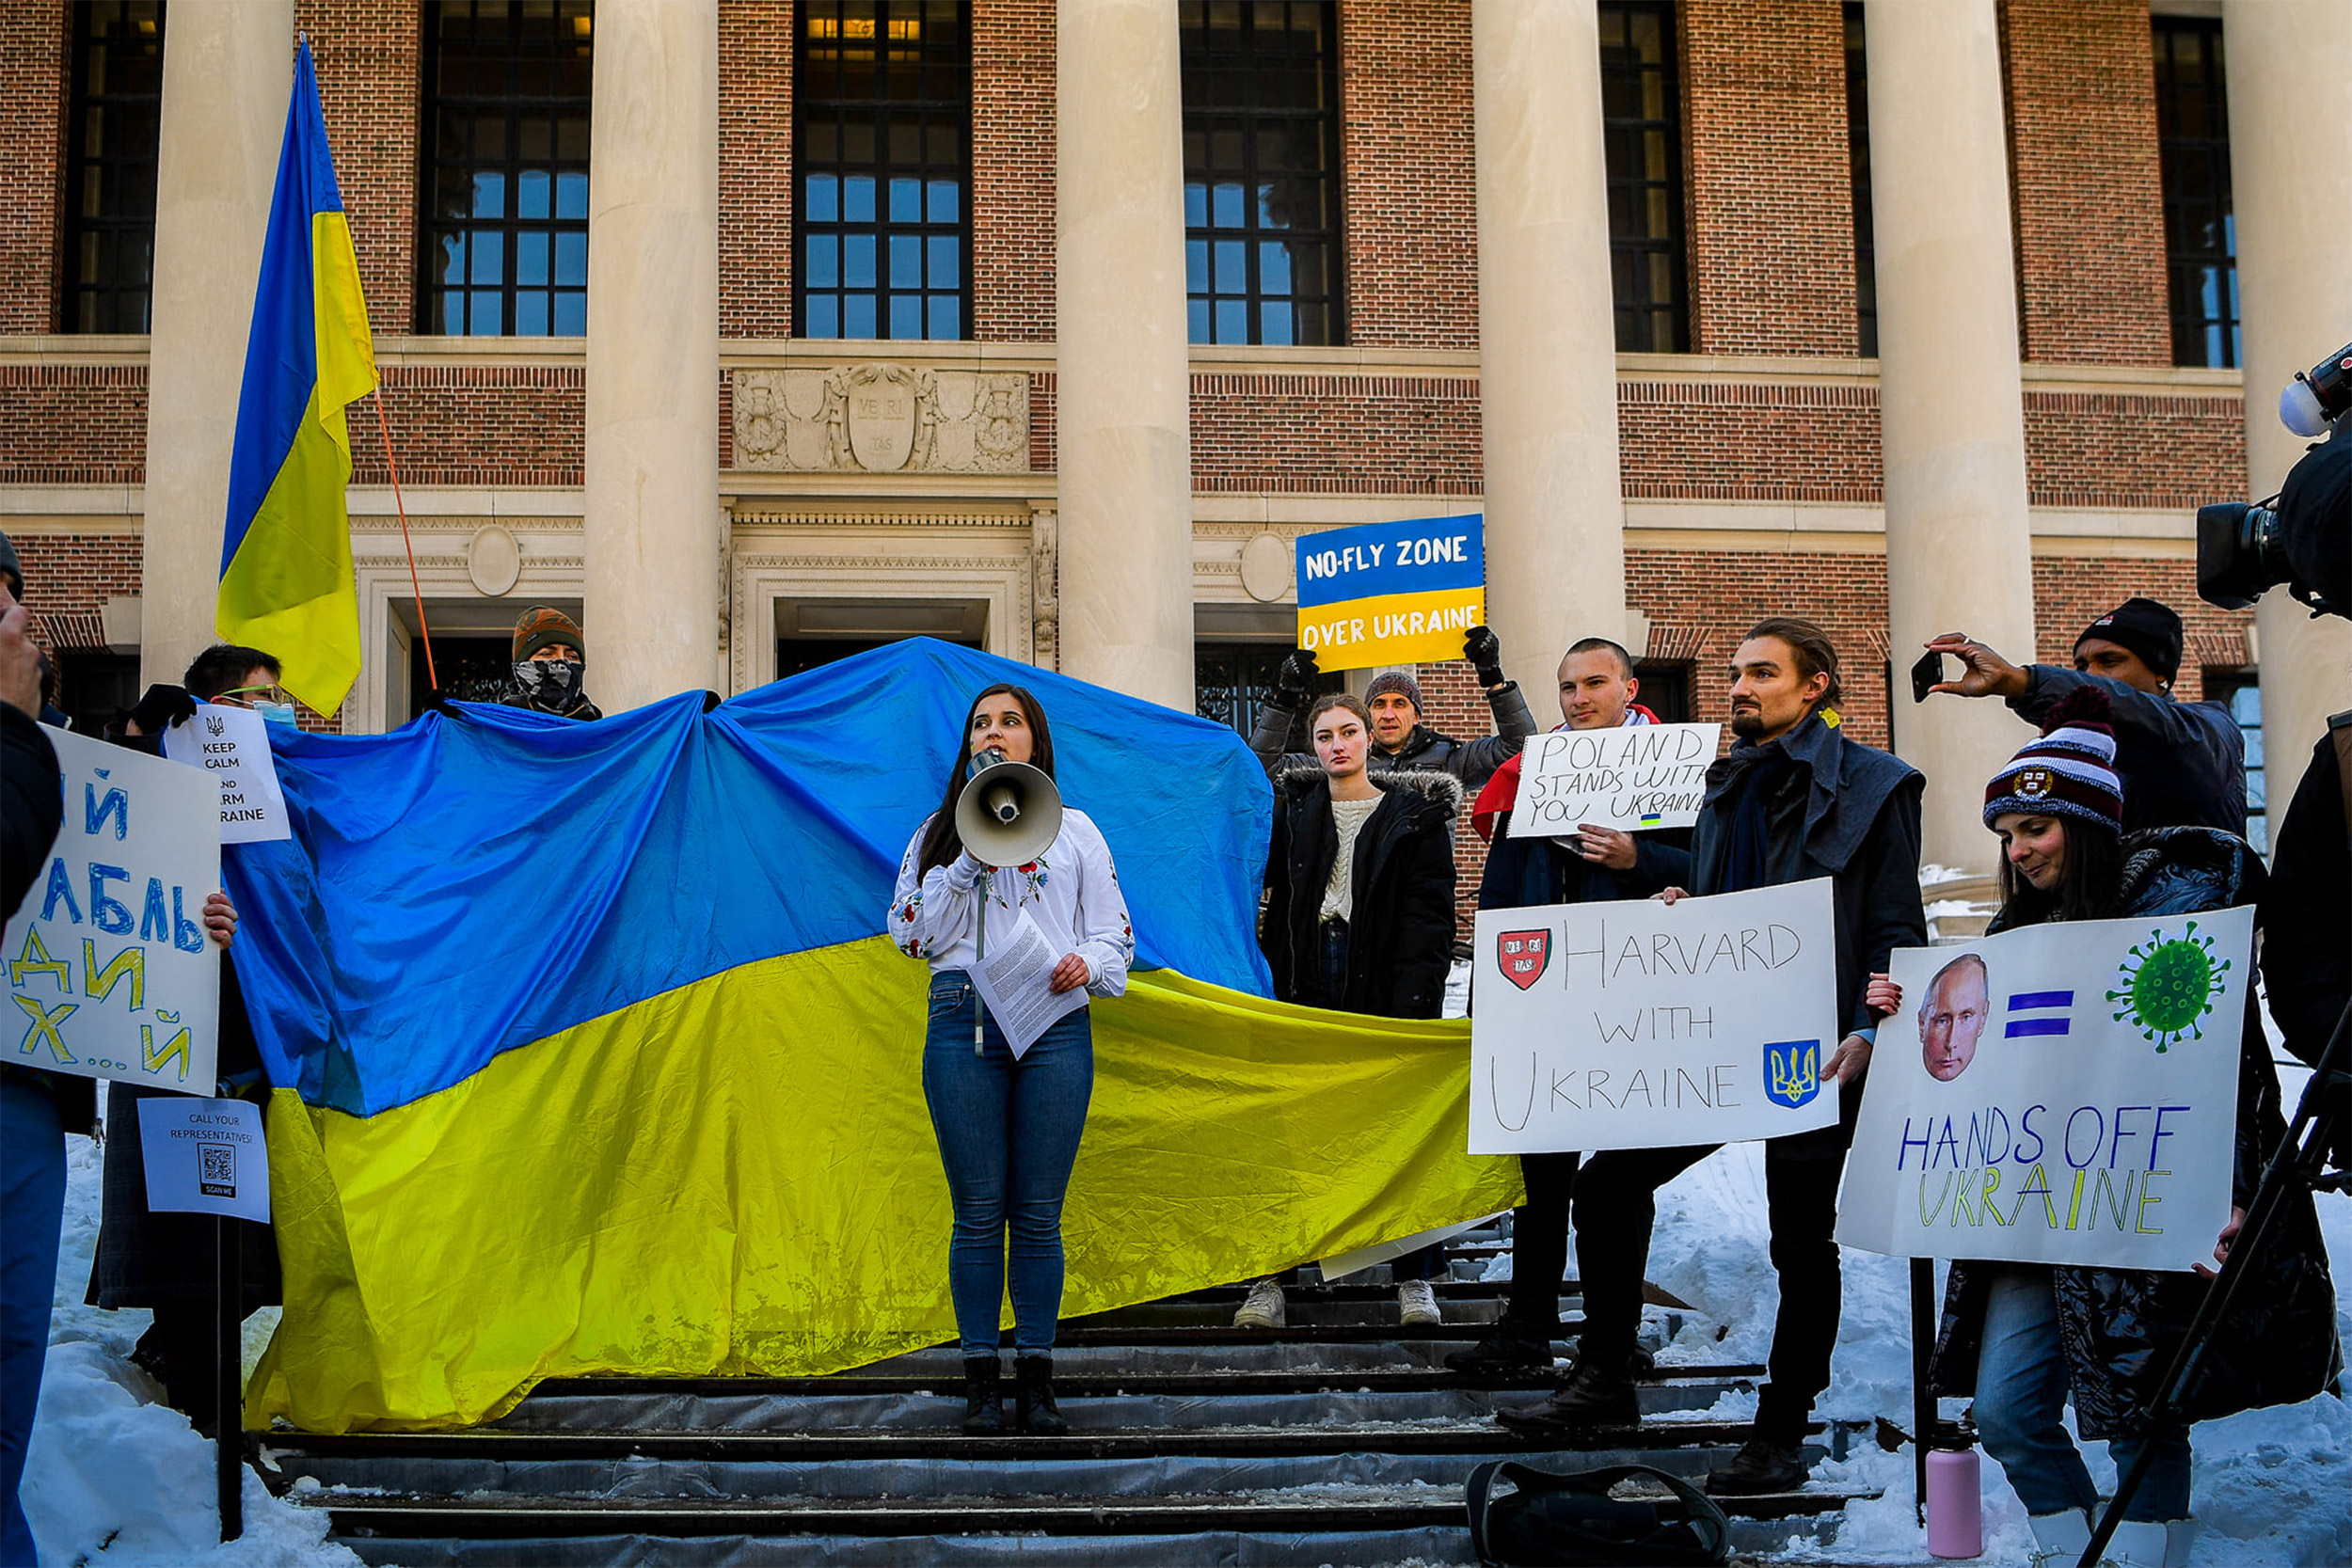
(1952, 1018)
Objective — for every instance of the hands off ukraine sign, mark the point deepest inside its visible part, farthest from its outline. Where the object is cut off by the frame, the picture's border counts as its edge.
(2057, 1094)
(1391, 593)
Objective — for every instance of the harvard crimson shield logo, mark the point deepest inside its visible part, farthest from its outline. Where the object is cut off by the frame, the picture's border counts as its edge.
(1523, 956)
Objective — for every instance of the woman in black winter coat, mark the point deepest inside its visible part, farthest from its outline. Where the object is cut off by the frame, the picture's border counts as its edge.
(2022, 1339)
(1359, 913)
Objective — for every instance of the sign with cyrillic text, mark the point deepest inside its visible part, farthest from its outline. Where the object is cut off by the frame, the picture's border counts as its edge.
(2057, 1094)
(233, 745)
(1633, 778)
(204, 1157)
(1645, 1026)
(110, 975)
(1391, 593)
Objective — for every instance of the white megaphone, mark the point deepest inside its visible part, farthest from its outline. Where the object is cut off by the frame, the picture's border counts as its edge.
(1008, 813)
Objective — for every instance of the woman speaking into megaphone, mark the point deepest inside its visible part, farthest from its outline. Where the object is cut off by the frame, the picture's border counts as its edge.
(1003, 855)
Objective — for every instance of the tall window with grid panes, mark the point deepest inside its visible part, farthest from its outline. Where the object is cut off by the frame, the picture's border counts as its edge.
(113, 123)
(1641, 131)
(882, 105)
(504, 184)
(1262, 227)
(2193, 152)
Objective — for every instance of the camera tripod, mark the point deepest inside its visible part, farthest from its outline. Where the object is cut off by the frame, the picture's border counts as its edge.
(2301, 1164)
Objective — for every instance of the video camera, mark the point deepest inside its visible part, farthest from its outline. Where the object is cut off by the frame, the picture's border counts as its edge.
(2302, 536)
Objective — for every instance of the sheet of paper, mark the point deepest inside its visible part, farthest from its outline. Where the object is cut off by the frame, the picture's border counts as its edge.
(205, 1157)
(1632, 779)
(233, 745)
(1014, 978)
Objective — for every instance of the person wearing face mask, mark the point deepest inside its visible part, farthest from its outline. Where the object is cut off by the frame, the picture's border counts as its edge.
(2023, 1339)
(550, 666)
(165, 1262)
(1009, 1125)
(1360, 914)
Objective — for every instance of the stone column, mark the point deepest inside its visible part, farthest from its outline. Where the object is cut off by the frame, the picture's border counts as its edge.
(1959, 545)
(227, 70)
(1122, 387)
(1546, 337)
(2291, 177)
(651, 612)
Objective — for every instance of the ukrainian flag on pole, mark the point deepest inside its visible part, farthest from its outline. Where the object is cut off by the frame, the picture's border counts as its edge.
(285, 564)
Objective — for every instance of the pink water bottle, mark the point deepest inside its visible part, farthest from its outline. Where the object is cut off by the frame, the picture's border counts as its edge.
(1955, 1504)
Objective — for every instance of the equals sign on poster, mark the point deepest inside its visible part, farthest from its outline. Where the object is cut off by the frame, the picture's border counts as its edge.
(2052, 1003)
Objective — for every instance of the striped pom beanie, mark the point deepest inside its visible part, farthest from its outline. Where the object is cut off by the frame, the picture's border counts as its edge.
(2070, 771)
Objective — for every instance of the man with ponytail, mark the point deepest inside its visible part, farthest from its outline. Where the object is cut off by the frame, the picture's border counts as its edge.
(1792, 799)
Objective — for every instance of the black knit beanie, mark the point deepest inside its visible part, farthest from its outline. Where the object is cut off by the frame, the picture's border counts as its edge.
(2150, 629)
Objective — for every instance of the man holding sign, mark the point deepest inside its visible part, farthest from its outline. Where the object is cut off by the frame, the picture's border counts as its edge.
(1793, 802)
(1389, 594)
(1596, 866)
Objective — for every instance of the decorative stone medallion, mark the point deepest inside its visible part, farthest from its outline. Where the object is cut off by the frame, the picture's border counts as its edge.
(881, 419)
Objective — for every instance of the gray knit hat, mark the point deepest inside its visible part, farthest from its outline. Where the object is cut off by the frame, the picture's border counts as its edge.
(1396, 681)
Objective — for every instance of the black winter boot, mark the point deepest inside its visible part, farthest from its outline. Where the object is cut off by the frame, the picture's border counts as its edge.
(984, 1406)
(1033, 1397)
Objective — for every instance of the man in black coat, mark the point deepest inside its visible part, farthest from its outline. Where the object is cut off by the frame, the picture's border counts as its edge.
(1400, 739)
(1596, 866)
(1792, 800)
(2183, 764)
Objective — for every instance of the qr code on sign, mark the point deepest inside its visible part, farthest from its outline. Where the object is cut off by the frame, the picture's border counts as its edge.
(216, 1169)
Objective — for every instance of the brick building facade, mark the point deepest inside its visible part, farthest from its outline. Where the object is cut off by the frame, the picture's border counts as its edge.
(1751, 466)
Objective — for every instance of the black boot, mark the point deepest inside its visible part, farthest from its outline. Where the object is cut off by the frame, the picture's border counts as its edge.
(1761, 1465)
(984, 1406)
(1596, 1392)
(1033, 1397)
(1510, 1349)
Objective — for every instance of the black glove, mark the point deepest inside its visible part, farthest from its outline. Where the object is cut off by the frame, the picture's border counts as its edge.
(162, 707)
(1483, 649)
(1296, 678)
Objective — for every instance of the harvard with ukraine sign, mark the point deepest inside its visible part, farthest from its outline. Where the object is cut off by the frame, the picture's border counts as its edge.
(1391, 593)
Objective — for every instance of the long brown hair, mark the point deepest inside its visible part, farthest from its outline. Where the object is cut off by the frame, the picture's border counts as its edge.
(941, 842)
(2089, 889)
(1815, 654)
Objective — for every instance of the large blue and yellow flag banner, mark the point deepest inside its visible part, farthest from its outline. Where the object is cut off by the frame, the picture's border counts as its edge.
(1391, 593)
(285, 560)
(591, 1054)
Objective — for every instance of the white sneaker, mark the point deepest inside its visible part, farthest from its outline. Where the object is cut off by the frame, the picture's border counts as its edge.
(1417, 1302)
(1264, 1310)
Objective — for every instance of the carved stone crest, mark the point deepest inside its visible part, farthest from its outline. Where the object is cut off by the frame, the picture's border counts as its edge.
(881, 419)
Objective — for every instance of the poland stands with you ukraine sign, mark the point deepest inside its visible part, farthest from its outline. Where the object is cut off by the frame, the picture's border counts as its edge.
(1391, 593)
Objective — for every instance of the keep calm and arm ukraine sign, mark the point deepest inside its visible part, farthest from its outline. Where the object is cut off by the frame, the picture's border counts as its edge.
(1391, 593)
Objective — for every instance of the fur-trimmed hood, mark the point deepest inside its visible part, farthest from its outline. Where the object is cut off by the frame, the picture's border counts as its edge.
(1442, 790)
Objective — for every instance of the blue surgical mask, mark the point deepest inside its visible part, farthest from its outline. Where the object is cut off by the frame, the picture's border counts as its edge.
(277, 713)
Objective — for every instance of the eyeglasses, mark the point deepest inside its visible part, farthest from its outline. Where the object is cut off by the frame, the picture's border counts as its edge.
(246, 696)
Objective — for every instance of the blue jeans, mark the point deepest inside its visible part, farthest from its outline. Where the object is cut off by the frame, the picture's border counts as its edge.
(32, 1203)
(2021, 1391)
(1008, 1135)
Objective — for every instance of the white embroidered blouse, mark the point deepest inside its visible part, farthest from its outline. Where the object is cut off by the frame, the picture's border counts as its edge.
(1070, 891)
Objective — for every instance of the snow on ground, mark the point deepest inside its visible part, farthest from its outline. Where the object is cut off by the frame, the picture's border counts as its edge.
(2273, 1487)
(116, 1478)
(113, 1477)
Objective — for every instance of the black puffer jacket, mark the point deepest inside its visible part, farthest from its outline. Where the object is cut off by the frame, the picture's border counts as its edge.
(2118, 1328)
(1473, 762)
(1401, 933)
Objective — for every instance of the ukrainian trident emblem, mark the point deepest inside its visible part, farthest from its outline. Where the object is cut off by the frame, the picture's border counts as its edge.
(1792, 1071)
(1523, 956)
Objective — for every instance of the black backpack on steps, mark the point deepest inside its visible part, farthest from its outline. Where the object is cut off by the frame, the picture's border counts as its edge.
(1568, 1520)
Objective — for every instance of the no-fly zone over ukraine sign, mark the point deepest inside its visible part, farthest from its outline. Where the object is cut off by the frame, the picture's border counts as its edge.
(1391, 593)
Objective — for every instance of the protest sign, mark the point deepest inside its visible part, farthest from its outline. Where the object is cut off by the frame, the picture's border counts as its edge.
(233, 744)
(204, 1157)
(1632, 778)
(109, 965)
(1645, 1026)
(2057, 1094)
(1391, 593)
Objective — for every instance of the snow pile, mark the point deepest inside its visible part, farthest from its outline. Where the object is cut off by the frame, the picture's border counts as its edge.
(2273, 1487)
(113, 1477)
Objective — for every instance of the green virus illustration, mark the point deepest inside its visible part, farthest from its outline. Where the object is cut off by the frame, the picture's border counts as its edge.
(2166, 986)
